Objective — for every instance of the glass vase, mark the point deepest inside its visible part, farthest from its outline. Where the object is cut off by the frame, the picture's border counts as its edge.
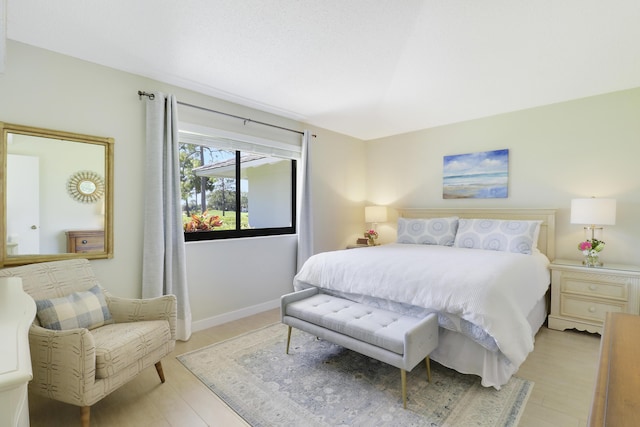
(592, 260)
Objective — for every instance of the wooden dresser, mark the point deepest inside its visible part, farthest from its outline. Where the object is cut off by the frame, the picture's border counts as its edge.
(616, 400)
(83, 241)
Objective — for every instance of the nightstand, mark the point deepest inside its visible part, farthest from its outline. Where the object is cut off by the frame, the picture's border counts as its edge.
(357, 246)
(84, 241)
(582, 296)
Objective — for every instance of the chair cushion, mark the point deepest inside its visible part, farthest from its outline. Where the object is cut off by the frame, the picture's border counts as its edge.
(86, 309)
(121, 344)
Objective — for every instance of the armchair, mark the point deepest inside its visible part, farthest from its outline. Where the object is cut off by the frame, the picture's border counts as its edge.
(80, 365)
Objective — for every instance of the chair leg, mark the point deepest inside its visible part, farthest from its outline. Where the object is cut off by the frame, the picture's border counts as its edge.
(85, 414)
(288, 340)
(160, 371)
(403, 377)
(428, 361)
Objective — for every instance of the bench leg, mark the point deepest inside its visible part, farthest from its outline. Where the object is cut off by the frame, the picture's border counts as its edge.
(403, 377)
(288, 340)
(428, 360)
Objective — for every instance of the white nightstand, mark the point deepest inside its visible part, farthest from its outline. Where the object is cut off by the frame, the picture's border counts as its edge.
(581, 296)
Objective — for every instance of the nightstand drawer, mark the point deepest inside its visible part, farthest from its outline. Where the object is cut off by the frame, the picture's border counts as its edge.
(84, 241)
(589, 309)
(584, 285)
(88, 244)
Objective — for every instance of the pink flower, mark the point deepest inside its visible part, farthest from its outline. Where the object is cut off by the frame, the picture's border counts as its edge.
(584, 246)
(373, 234)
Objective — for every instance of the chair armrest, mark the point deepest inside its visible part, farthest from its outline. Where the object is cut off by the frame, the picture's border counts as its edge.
(63, 363)
(134, 310)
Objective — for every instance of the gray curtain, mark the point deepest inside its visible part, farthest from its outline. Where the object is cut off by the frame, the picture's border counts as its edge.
(305, 211)
(164, 262)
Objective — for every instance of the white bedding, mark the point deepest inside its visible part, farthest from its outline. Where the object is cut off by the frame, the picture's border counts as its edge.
(492, 290)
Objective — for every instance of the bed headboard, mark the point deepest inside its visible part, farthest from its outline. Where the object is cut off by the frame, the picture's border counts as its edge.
(546, 241)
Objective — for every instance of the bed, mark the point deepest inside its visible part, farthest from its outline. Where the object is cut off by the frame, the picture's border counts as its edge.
(484, 272)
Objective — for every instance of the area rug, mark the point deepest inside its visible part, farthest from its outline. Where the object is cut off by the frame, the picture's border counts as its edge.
(322, 384)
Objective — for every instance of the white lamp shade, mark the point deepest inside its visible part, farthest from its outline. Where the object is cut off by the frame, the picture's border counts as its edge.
(375, 214)
(593, 211)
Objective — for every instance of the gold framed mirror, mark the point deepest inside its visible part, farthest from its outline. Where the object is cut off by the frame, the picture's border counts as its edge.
(56, 189)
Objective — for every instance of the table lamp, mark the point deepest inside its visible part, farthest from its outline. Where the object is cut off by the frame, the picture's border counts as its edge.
(594, 213)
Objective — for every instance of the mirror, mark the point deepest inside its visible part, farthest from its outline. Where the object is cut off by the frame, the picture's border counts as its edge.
(86, 186)
(57, 194)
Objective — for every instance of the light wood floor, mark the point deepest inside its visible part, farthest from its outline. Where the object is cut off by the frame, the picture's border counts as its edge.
(563, 367)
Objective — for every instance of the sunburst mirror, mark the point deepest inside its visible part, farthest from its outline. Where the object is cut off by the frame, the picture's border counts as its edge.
(86, 186)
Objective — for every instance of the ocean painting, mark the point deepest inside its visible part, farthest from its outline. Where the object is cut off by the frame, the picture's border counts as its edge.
(481, 175)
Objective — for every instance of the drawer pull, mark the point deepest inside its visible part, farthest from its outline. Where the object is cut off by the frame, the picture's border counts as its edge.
(84, 242)
(592, 287)
(592, 309)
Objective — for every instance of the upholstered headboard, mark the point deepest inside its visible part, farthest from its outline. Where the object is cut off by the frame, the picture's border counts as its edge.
(546, 240)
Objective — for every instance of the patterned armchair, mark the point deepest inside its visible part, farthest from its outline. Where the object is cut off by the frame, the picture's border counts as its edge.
(94, 342)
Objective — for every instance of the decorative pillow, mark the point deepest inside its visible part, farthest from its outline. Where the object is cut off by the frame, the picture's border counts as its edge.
(87, 309)
(498, 235)
(435, 231)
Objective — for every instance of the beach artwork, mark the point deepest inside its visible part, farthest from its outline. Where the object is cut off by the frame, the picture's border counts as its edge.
(481, 175)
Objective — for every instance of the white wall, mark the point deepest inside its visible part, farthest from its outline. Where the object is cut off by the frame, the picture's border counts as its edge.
(582, 148)
(227, 278)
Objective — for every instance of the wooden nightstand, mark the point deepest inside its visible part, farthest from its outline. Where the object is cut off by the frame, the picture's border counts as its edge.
(581, 296)
(83, 241)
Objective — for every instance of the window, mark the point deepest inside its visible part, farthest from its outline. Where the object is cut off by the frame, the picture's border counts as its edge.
(235, 185)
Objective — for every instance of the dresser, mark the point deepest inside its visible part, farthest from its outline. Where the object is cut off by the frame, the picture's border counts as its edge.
(582, 296)
(83, 241)
(616, 401)
(17, 311)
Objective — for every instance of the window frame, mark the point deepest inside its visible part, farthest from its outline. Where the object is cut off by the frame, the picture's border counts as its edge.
(251, 232)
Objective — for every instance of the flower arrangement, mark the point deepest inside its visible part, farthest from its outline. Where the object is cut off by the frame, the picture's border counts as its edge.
(372, 235)
(203, 222)
(591, 246)
(590, 249)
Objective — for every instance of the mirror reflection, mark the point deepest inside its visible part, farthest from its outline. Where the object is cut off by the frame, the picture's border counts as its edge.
(57, 195)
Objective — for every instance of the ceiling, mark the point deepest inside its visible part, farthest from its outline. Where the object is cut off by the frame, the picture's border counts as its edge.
(365, 68)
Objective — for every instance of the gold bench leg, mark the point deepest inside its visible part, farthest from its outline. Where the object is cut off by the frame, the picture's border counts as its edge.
(288, 340)
(428, 360)
(403, 376)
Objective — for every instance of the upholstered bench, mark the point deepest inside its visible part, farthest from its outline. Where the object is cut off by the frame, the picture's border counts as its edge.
(401, 341)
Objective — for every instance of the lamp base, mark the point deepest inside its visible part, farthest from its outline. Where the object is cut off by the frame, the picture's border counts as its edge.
(592, 232)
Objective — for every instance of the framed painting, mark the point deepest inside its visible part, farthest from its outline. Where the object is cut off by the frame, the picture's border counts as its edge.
(482, 175)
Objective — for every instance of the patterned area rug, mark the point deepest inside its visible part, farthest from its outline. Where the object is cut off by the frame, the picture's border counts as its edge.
(322, 384)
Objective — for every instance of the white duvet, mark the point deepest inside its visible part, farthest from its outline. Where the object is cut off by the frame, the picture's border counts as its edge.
(494, 290)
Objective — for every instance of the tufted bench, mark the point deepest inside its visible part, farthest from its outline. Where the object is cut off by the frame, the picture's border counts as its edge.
(401, 341)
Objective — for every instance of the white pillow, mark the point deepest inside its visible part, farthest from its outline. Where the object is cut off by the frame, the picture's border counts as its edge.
(498, 235)
(435, 231)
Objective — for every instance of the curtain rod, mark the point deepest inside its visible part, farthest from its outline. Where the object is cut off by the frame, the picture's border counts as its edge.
(244, 119)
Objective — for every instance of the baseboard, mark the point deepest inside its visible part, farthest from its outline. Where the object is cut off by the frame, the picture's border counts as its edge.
(199, 325)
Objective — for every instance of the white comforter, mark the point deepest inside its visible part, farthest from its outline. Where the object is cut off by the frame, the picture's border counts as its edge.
(494, 290)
